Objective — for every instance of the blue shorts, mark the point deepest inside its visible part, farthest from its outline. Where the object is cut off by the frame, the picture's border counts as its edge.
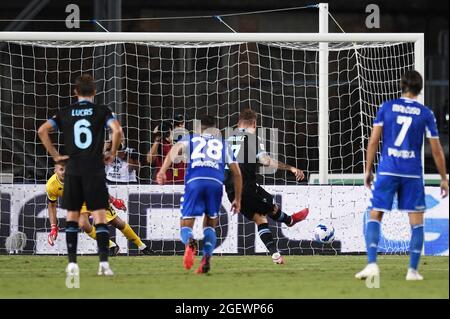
(201, 196)
(410, 193)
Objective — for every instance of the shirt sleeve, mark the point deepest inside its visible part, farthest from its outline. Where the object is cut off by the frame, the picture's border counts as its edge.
(261, 149)
(110, 116)
(51, 192)
(55, 121)
(379, 119)
(229, 154)
(431, 130)
(185, 140)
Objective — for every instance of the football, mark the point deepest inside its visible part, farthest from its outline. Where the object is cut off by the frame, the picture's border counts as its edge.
(324, 234)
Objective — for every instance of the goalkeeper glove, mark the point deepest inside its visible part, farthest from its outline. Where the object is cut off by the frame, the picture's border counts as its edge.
(53, 235)
(117, 203)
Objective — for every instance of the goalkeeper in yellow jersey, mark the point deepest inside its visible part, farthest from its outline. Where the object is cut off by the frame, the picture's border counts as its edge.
(55, 188)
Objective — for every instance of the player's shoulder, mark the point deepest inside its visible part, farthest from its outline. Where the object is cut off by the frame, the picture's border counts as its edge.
(53, 183)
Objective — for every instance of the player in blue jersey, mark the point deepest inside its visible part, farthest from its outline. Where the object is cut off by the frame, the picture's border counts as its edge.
(207, 155)
(401, 124)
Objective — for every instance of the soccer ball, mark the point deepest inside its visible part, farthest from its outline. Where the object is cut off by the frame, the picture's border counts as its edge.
(324, 234)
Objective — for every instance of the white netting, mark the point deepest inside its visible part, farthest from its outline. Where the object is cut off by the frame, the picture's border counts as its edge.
(145, 83)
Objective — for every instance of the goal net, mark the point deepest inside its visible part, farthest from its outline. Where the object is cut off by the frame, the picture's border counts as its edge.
(149, 82)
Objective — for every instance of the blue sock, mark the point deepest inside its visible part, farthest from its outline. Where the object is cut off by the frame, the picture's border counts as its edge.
(372, 239)
(186, 234)
(415, 246)
(209, 241)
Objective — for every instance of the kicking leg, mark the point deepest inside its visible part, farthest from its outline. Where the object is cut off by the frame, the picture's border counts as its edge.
(290, 221)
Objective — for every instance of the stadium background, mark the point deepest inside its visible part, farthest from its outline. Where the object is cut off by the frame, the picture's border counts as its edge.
(29, 164)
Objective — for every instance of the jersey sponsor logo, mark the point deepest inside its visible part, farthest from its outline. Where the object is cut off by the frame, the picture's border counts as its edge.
(82, 112)
(401, 153)
(210, 164)
(405, 109)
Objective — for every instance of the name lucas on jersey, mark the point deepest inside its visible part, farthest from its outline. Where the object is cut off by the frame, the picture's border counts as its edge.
(82, 112)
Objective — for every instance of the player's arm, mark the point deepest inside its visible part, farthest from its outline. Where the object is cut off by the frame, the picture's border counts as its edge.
(133, 163)
(116, 134)
(151, 155)
(237, 182)
(53, 222)
(52, 197)
(161, 177)
(44, 134)
(439, 160)
(371, 151)
(266, 160)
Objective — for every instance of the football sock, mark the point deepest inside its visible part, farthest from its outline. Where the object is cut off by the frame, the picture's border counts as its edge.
(186, 234)
(282, 217)
(372, 239)
(102, 241)
(209, 241)
(93, 235)
(266, 236)
(131, 235)
(72, 240)
(415, 246)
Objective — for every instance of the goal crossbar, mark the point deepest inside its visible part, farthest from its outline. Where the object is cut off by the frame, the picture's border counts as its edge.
(210, 37)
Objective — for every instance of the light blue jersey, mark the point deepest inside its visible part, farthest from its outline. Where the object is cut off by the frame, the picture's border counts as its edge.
(405, 123)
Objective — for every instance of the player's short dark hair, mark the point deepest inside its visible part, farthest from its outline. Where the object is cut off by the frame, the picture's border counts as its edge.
(207, 121)
(178, 119)
(411, 82)
(247, 115)
(61, 163)
(85, 85)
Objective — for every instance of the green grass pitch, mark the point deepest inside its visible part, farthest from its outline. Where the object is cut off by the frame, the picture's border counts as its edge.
(230, 277)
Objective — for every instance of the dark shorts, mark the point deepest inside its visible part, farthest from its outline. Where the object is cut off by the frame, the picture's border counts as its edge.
(254, 201)
(85, 188)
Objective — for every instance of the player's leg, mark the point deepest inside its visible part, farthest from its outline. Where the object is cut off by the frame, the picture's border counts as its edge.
(187, 238)
(72, 201)
(415, 245)
(383, 192)
(212, 195)
(192, 205)
(411, 199)
(266, 236)
(289, 220)
(209, 243)
(256, 206)
(90, 230)
(114, 220)
(97, 201)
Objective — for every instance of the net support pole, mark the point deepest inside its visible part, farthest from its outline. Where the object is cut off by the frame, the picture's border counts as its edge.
(323, 96)
(419, 59)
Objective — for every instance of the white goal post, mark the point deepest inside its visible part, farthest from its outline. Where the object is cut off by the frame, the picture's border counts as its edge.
(293, 81)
